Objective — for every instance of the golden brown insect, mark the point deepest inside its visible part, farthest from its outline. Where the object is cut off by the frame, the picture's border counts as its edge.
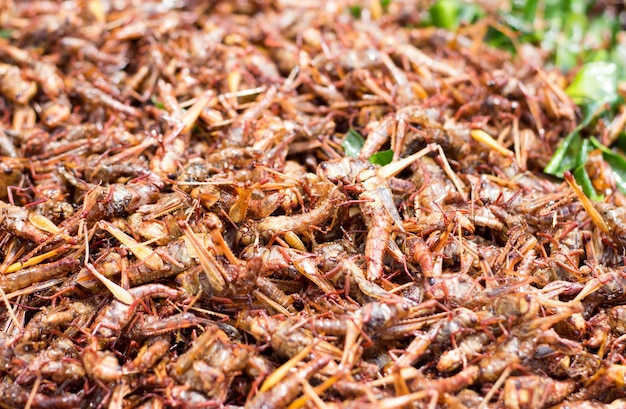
(94, 96)
(17, 396)
(374, 318)
(19, 221)
(284, 338)
(517, 350)
(376, 203)
(65, 314)
(211, 363)
(467, 349)
(282, 394)
(275, 294)
(89, 50)
(54, 113)
(46, 74)
(324, 210)
(116, 316)
(617, 319)
(150, 325)
(101, 365)
(153, 350)
(117, 199)
(28, 276)
(15, 86)
(238, 135)
(526, 392)
(59, 362)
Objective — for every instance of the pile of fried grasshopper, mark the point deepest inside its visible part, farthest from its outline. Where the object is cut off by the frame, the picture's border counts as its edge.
(284, 205)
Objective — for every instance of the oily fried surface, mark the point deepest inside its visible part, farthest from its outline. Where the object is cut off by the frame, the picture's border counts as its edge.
(181, 225)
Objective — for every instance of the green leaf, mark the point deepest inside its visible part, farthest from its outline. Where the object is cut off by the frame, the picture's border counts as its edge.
(352, 143)
(529, 9)
(355, 11)
(583, 179)
(565, 58)
(445, 14)
(518, 23)
(580, 173)
(381, 158)
(593, 110)
(385, 4)
(617, 163)
(564, 157)
(618, 56)
(596, 81)
(568, 154)
(470, 13)
(498, 39)
(621, 141)
(5, 33)
(581, 157)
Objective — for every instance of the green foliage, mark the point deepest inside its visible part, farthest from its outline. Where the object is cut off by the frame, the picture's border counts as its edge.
(382, 158)
(576, 39)
(450, 14)
(352, 143)
(595, 82)
(356, 11)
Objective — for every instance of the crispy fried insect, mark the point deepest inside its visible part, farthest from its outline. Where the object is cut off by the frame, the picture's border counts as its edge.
(32, 275)
(374, 318)
(18, 221)
(150, 325)
(46, 74)
(116, 199)
(519, 349)
(66, 314)
(526, 392)
(617, 319)
(95, 96)
(101, 365)
(212, 362)
(153, 351)
(286, 339)
(324, 210)
(285, 392)
(11, 172)
(59, 362)
(377, 205)
(14, 395)
(15, 86)
(117, 315)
